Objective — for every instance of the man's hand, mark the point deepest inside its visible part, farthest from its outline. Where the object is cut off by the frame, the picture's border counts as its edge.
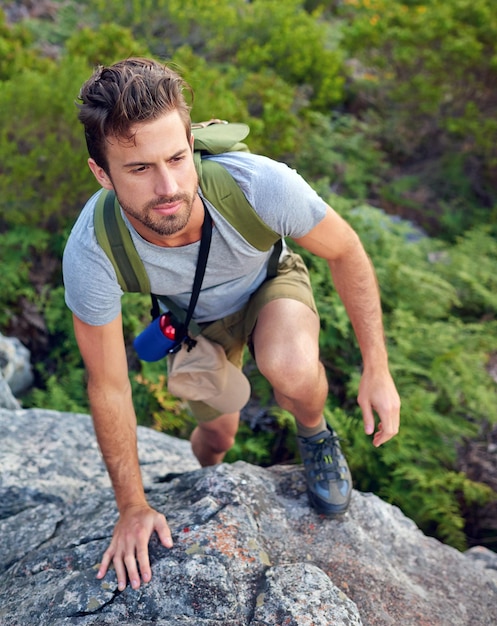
(377, 392)
(128, 549)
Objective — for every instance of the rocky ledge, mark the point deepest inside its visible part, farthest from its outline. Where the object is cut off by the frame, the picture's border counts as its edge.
(248, 549)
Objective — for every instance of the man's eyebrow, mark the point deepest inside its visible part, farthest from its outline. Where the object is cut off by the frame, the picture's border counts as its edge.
(142, 163)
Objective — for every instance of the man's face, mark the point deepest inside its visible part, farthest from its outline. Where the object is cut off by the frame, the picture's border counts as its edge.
(154, 177)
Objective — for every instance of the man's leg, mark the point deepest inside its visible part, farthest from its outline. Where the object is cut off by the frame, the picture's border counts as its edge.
(286, 348)
(287, 353)
(211, 440)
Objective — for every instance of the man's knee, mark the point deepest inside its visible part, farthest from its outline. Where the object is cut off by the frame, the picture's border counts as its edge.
(291, 373)
(219, 434)
(218, 442)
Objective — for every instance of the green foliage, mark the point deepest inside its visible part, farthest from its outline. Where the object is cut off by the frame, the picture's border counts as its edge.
(149, 19)
(53, 31)
(66, 395)
(434, 500)
(423, 56)
(470, 266)
(275, 128)
(108, 44)
(16, 246)
(262, 36)
(213, 87)
(43, 177)
(339, 151)
(156, 407)
(17, 50)
(262, 100)
(283, 36)
(427, 70)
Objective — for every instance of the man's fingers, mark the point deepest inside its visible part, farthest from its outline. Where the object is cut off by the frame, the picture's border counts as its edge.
(104, 565)
(387, 429)
(144, 563)
(368, 419)
(120, 573)
(379, 394)
(162, 530)
(367, 415)
(133, 575)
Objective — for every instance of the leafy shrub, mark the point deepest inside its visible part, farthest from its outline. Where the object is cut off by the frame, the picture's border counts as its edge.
(105, 45)
(470, 267)
(16, 246)
(426, 71)
(43, 178)
(262, 100)
(295, 45)
(158, 408)
(338, 150)
(259, 36)
(17, 49)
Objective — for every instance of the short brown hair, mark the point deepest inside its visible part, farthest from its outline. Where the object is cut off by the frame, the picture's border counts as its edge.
(117, 97)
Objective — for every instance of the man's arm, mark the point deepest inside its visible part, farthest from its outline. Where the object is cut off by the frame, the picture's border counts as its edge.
(109, 391)
(355, 281)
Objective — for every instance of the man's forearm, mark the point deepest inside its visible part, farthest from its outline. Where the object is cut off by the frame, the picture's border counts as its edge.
(355, 281)
(115, 426)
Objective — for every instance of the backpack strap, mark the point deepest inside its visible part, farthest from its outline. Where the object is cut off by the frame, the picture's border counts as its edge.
(220, 188)
(115, 240)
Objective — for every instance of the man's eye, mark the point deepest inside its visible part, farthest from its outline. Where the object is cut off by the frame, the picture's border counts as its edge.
(137, 170)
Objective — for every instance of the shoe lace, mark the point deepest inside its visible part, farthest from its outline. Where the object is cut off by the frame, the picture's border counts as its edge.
(325, 455)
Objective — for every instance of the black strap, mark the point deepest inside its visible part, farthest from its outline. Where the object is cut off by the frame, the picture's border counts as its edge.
(274, 260)
(203, 253)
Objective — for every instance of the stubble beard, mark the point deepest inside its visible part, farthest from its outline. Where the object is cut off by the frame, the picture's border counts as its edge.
(164, 225)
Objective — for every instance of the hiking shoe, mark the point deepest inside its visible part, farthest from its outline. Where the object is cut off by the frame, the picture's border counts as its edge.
(329, 482)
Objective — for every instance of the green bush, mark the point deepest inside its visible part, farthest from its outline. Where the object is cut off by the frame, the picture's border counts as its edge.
(16, 245)
(426, 71)
(338, 150)
(103, 46)
(17, 50)
(43, 180)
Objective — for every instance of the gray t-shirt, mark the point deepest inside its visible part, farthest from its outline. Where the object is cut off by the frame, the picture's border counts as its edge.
(235, 269)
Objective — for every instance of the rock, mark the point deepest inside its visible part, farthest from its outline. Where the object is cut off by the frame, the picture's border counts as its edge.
(48, 456)
(485, 557)
(7, 399)
(248, 549)
(15, 366)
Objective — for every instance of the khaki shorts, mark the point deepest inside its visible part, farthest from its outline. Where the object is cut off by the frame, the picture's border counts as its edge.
(233, 332)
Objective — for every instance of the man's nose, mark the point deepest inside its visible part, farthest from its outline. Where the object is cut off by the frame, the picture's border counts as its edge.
(165, 183)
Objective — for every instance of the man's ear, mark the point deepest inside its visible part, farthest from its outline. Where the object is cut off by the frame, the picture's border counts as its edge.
(101, 175)
(192, 140)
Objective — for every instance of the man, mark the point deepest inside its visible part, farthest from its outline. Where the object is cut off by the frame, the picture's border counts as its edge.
(138, 132)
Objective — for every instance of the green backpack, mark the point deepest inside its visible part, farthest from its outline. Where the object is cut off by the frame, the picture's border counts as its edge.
(217, 185)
